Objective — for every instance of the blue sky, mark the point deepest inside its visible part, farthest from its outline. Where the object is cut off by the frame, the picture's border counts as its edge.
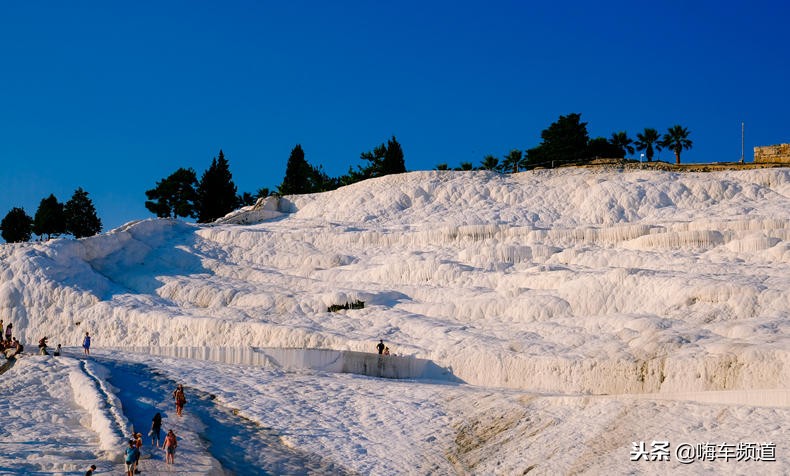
(113, 96)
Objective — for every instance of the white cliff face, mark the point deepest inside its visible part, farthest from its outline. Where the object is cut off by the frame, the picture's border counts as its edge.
(555, 280)
(572, 281)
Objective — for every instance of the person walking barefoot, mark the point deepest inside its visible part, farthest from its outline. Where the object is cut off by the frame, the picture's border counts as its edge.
(138, 443)
(86, 344)
(156, 429)
(171, 443)
(180, 398)
(130, 456)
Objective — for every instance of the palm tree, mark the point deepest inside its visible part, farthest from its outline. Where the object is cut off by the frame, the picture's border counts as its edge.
(512, 161)
(622, 141)
(648, 141)
(489, 163)
(676, 139)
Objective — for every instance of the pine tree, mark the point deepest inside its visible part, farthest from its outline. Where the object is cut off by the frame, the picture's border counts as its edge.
(298, 174)
(80, 214)
(174, 196)
(17, 226)
(375, 158)
(385, 159)
(320, 181)
(393, 162)
(50, 218)
(216, 192)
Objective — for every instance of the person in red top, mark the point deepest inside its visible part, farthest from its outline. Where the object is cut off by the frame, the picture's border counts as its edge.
(180, 398)
(138, 442)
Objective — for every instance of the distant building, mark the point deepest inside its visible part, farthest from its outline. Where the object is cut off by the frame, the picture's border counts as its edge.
(769, 154)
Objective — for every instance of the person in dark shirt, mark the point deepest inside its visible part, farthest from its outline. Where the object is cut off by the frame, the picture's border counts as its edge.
(156, 429)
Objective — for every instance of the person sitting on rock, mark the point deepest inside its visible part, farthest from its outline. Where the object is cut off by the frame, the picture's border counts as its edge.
(42, 346)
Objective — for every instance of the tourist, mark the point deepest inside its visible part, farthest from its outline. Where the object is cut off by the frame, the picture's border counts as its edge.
(86, 344)
(130, 456)
(180, 398)
(138, 443)
(380, 346)
(156, 429)
(42, 346)
(171, 443)
(18, 347)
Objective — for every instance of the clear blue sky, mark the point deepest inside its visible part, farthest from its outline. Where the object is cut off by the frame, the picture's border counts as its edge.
(113, 96)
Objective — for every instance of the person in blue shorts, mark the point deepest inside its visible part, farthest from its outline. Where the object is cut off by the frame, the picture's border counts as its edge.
(171, 443)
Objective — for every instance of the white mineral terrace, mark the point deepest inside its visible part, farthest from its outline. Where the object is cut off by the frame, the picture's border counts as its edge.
(536, 319)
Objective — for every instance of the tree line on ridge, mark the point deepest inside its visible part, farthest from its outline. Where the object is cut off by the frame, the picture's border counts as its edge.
(181, 194)
(567, 141)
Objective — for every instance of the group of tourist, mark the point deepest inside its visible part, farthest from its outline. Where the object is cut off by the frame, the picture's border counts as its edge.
(9, 345)
(383, 349)
(132, 454)
(169, 444)
(42, 347)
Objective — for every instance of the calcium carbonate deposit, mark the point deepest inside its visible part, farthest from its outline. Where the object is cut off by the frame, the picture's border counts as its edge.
(550, 322)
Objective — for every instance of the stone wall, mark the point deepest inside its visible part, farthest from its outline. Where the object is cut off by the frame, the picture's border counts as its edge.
(772, 153)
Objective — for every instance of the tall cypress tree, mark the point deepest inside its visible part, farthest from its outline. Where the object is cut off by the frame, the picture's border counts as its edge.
(297, 174)
(50, 218)
(393, 162)
(81, 218)
(216, 193)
